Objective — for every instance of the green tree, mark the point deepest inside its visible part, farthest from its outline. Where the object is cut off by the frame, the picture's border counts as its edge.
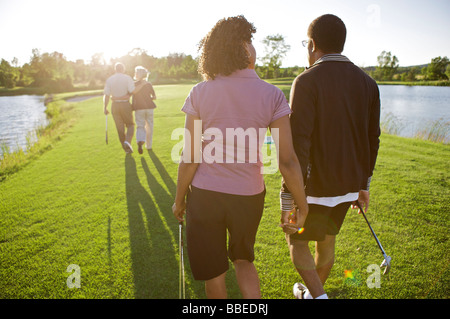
(387, 66)
(8, 75)
(447, 71)
(437, 68)
(411, 74)
(275, 50)
(51, 70)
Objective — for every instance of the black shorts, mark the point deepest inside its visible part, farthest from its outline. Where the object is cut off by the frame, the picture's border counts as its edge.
(209, 215)
(321, 221)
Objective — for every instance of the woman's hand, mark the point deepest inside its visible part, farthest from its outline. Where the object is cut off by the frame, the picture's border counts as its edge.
(292, 222)
(179, 210)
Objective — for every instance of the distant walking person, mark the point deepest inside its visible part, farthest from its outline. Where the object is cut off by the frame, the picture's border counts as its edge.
(335, 129)
(225, 191)
(119, 85)
(143, 106)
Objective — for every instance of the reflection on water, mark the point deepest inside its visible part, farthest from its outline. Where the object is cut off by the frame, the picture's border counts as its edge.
(19, 117)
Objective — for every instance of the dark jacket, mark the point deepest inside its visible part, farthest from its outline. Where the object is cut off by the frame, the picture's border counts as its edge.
(335, 127)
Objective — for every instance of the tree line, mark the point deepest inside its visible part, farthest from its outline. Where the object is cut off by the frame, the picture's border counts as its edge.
(53, 73)
(388, 69)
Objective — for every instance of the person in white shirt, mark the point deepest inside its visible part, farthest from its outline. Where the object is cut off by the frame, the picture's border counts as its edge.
(118, 86)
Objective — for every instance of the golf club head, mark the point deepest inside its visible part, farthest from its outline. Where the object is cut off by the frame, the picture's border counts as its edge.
(386, 263)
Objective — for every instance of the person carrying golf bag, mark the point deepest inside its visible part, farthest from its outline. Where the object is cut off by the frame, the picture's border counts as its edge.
(335, 124)
(225, 195)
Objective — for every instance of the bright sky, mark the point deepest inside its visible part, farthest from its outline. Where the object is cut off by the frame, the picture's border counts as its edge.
(414, 30)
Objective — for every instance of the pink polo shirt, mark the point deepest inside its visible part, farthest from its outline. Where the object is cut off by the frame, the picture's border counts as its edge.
(235, 111)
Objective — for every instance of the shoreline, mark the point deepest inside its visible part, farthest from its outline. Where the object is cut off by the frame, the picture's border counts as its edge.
(416, 83)
(43, 91)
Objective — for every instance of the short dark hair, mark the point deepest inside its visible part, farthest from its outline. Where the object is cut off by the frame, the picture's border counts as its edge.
(223, 48)
(328, 33)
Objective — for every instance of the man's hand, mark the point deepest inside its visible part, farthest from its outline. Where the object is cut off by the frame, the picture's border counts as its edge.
(105, 104)
(179, 210)
(363, 199)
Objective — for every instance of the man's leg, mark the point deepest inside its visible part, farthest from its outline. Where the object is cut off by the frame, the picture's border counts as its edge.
(324, 258)
(127, 116)
(120, 125)
(304, 263)
(247, 278)
(325, 249)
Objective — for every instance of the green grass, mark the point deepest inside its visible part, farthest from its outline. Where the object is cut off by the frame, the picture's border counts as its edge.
(89, 204)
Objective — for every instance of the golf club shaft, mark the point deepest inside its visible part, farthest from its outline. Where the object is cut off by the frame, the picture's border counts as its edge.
(371, 229)
(182, 279)
(179, 274)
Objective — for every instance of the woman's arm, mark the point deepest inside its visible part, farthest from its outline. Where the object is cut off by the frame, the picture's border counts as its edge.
(292, 173)
(152, 92)
(188, 164)
(136, 90)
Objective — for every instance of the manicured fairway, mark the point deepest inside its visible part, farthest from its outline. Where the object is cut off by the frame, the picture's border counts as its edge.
(87, 203)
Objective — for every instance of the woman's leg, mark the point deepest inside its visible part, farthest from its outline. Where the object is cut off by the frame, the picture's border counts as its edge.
(140, 122)
(247, 278)
(215, 288)
(149, 129)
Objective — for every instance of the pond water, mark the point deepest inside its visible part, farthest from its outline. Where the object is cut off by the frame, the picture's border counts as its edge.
(414, 108)
(19, 117)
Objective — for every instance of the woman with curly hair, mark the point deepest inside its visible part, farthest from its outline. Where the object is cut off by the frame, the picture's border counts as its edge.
(221, 179)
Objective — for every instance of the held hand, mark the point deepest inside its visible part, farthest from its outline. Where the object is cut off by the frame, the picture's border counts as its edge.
(105, 110)
(363, 199)
(179, 211)
(292, 221)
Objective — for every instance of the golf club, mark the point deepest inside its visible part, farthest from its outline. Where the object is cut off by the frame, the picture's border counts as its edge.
(387, 260)
(106, 129)
(182, 292)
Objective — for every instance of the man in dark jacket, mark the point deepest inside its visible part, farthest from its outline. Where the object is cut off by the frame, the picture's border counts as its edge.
(335, 128)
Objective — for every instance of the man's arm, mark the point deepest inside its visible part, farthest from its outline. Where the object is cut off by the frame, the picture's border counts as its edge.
(105, 104)
(374, 144)
(374, 130)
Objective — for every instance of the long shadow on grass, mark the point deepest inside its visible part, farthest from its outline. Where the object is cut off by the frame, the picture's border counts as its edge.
(164, 200)
(163, 173)
(155, 268)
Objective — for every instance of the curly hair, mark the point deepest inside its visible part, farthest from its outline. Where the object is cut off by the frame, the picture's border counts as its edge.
(223, 48)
